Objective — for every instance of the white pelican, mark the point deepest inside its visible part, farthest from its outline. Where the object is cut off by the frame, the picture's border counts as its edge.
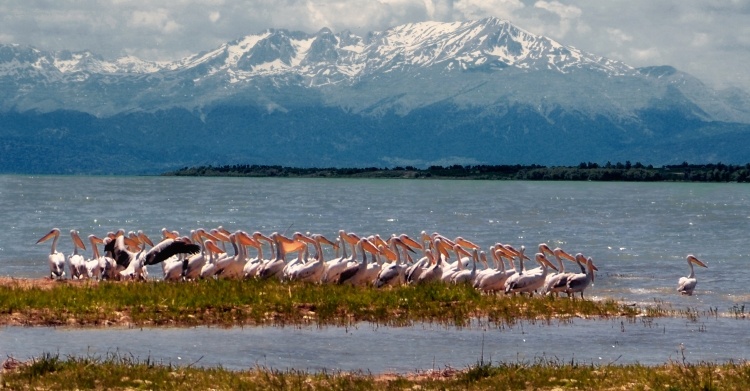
(313, 270)
(580, 281)
(274, 267)
(394, 272)
(98, 265)
(192, 266)
(360, 273)
(55, 258)
(232, 267)
(495, 279)
(466, 275)
(250, 270)
(335, 266)
(451, 269)
(76, 261)
(558, 282)
(435, 271)
(529, 280)
(686, 285)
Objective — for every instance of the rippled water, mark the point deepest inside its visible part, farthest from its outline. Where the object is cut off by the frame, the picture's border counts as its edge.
(637, 233)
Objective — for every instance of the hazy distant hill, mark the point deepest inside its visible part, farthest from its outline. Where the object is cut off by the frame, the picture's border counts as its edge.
(480, 92)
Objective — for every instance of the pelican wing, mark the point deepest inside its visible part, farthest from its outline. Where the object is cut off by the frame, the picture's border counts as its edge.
(167, 248)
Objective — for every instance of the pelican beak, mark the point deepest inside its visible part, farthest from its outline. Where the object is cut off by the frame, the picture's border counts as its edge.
(205, 235)
(246, 240)
(540, 257)
(368, 246)
(258, 236)
(352, 238)
(306, 239)
(211, 246)
(697, 261)
(567, 256)
(222, 237)
(466, 243)
(47, 236)
(130, 242)
(378, 241)
(292, 246)
(327, 241)
(142, 236)
(96, 239)
(77, 240)
(544, 249)
(410, 242)
(390, 254)
(168, 234)
(462, 251)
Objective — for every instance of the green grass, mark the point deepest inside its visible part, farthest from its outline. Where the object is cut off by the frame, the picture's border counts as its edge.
(122, 372)
(228, 302)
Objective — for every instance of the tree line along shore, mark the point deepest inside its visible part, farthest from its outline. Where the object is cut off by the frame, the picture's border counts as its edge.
(586, 171)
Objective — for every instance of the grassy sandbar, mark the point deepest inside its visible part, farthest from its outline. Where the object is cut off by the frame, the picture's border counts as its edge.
(231, 303)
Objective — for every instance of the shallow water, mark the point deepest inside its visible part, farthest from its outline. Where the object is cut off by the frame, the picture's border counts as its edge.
(637, 233)
(398, 349)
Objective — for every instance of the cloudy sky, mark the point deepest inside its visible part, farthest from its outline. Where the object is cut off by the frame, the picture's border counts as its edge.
(707, 38)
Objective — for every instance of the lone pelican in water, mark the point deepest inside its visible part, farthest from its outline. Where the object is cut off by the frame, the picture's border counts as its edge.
(686, 285)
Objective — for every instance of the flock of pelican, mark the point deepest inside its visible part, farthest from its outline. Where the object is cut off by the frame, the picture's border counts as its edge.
(357, 260)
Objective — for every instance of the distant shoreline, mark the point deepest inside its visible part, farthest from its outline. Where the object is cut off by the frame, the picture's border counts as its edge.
(619, 172)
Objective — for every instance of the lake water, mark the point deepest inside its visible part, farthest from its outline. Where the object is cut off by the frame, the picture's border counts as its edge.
(637, 233)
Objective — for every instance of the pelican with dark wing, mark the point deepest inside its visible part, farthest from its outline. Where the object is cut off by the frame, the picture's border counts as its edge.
(135, 261)
(686, 285)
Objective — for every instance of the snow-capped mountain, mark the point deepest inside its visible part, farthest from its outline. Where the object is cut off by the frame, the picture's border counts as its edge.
(456, 84)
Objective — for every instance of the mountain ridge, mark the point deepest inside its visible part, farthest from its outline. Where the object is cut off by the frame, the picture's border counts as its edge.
(447, 91)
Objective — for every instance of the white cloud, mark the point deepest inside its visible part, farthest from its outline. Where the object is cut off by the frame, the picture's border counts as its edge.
(156, 20)
(619, 36)
(214, 16)
(561, 10)
(646, 56)
(478, 9)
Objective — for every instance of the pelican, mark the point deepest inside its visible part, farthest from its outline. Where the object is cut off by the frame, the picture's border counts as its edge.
(335, 266)
(76, 261)
(98, 265)
(250, 270)
(395, 272)
(434, 272)
(232, 266)
(529, 280)
(274, 267)
(686, 285)
(451, 269)
(192, 266)
(360, 273)
(496, 278)
(580, 281)
(55, 258)
(313, 270)
(135, 261)
(558, 282)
